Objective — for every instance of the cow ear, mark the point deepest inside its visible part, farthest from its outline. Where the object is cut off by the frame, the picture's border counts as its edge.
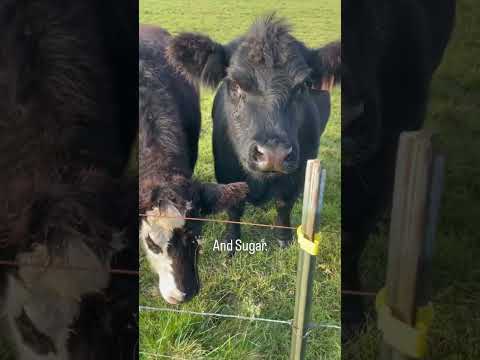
(166, 215)
(326, 65)
(198, 57)
(218, 197)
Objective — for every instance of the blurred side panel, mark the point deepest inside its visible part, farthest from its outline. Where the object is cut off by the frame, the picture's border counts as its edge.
(69, 179)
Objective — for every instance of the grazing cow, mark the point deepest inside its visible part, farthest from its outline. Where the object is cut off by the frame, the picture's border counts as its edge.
(67, 122)
(269, 111)
(390, 52)
(169, 118)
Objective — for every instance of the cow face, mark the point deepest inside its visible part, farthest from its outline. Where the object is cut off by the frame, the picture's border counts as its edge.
(171, 243)
(270, 83)
(171, 248)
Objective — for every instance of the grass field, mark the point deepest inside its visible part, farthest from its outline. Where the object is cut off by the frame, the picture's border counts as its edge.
(454, 116)
(5, 351)
(263, 284)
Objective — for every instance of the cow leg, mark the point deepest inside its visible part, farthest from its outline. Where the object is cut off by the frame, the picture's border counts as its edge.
(233, 231)
(353, 317)
(365, 194)
(284, 210)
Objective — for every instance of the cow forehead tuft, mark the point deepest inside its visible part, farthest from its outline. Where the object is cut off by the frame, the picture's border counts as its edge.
(270, 27)
(270, 50)
(269, 44)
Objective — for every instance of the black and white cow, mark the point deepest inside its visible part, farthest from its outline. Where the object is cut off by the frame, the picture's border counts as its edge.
(169, 117)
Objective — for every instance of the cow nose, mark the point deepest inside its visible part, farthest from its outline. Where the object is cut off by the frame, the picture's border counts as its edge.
(170, 292)
(173, 300)
(178, 297)
(271, 158)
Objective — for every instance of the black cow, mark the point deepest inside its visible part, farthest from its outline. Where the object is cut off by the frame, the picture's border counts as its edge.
(169, 117)
(390, 52)
(269, 111)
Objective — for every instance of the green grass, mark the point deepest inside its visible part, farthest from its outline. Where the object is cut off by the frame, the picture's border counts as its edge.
(261, 285)
(5, 350)
(453, 115)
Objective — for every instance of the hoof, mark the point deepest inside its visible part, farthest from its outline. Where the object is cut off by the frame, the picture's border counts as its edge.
(284, 237)
(283, 244)
(352, 329)
(353, 317)
(229, 242)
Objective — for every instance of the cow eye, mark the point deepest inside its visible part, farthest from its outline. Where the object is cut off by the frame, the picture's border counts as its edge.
(152, 246)
(234, 86)
(308, 84)
(305, 86)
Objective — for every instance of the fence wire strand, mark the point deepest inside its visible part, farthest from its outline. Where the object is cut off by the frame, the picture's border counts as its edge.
(271, 226)
(238, 317)
(359, 293)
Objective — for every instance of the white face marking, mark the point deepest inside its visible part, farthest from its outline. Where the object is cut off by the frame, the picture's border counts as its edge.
(50, 314)
(49, 295)
(159, 226)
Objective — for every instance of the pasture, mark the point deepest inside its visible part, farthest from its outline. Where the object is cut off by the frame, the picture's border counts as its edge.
(262, 284)
(453, 116)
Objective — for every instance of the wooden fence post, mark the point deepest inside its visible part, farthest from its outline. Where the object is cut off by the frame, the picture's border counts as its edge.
(414, 216)
(435, 194)
(312, 205)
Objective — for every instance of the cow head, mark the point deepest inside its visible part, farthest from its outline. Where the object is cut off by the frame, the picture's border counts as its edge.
(270, 82)
(171, 243)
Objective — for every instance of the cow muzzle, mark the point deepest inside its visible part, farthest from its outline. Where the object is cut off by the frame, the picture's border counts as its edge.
(277, 159)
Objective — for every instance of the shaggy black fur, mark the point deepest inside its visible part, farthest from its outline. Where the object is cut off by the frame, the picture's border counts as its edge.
(67, 124)
(390, 52)
(209, 58)
(169, 117)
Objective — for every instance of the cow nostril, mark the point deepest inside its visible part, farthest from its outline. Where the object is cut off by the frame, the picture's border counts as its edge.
(258, 153)
(289, 154)
(173, 300)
